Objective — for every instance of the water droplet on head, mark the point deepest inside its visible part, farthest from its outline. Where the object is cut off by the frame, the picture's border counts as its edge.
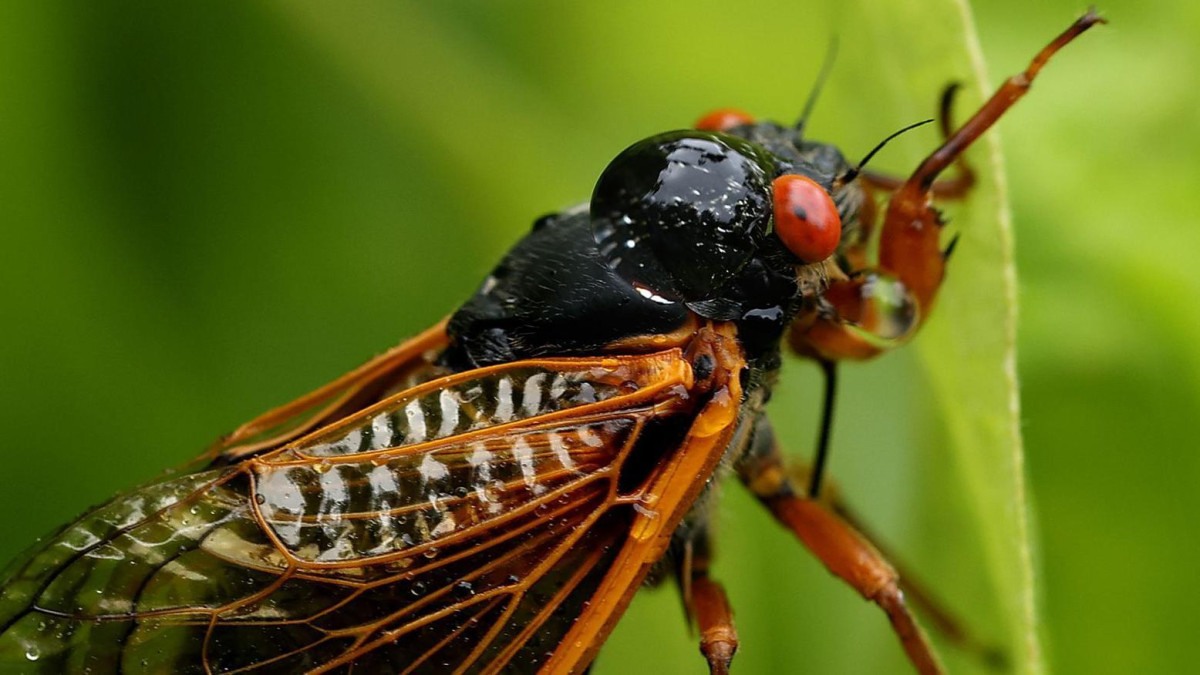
(32, 653)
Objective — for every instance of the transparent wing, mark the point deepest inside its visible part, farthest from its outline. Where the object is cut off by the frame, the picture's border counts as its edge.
(460, 524)
(401, 367)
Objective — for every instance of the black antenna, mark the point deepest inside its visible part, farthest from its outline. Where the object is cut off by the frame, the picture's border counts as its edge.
(826, 66)
(852, 173)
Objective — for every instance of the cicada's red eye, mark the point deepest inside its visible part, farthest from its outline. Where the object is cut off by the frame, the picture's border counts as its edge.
(724, 119)
(806, 219)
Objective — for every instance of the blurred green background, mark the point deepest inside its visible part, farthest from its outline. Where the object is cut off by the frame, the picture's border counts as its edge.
(207, 210)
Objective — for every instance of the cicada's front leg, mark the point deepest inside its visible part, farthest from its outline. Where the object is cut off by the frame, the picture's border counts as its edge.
(878, 307)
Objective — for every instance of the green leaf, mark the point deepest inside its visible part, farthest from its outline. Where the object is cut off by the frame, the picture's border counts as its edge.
(971, 358)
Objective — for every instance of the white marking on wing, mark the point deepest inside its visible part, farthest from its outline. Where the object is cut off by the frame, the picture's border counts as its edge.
(381, 431)
(531, 401)
(560, 451)
(524, 456)
(334, 494)
(480, 459)
(352, 442)
(416, 421)
(383, 482)
(431, 469)
(288, 532)
(589, 437)
(504, 400)
(449, 406)
(280, 493)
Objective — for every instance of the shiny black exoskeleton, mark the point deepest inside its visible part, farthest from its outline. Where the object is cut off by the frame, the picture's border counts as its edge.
(682, 213)
(679, 223)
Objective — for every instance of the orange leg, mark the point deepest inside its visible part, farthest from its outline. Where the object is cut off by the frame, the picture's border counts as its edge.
(844, 552)
(705, 602)
(718, 637)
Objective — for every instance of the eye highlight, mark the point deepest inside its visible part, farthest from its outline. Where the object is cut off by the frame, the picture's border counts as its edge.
(806, 219)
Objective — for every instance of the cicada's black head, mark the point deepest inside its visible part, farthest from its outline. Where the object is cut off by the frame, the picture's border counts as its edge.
(680, 213)
(730, 222)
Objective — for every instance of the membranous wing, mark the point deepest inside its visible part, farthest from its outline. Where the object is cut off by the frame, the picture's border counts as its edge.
(398, 368)
(458, 525)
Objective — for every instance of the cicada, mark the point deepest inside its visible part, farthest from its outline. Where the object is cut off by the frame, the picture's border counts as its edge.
(489, 495)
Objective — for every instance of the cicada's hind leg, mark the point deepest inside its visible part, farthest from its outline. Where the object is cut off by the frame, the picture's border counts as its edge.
(845, 552)
(706, 603)
(878, 307)
(943, 621)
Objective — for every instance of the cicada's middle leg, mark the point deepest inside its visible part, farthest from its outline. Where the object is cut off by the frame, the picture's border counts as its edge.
(705, 602)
